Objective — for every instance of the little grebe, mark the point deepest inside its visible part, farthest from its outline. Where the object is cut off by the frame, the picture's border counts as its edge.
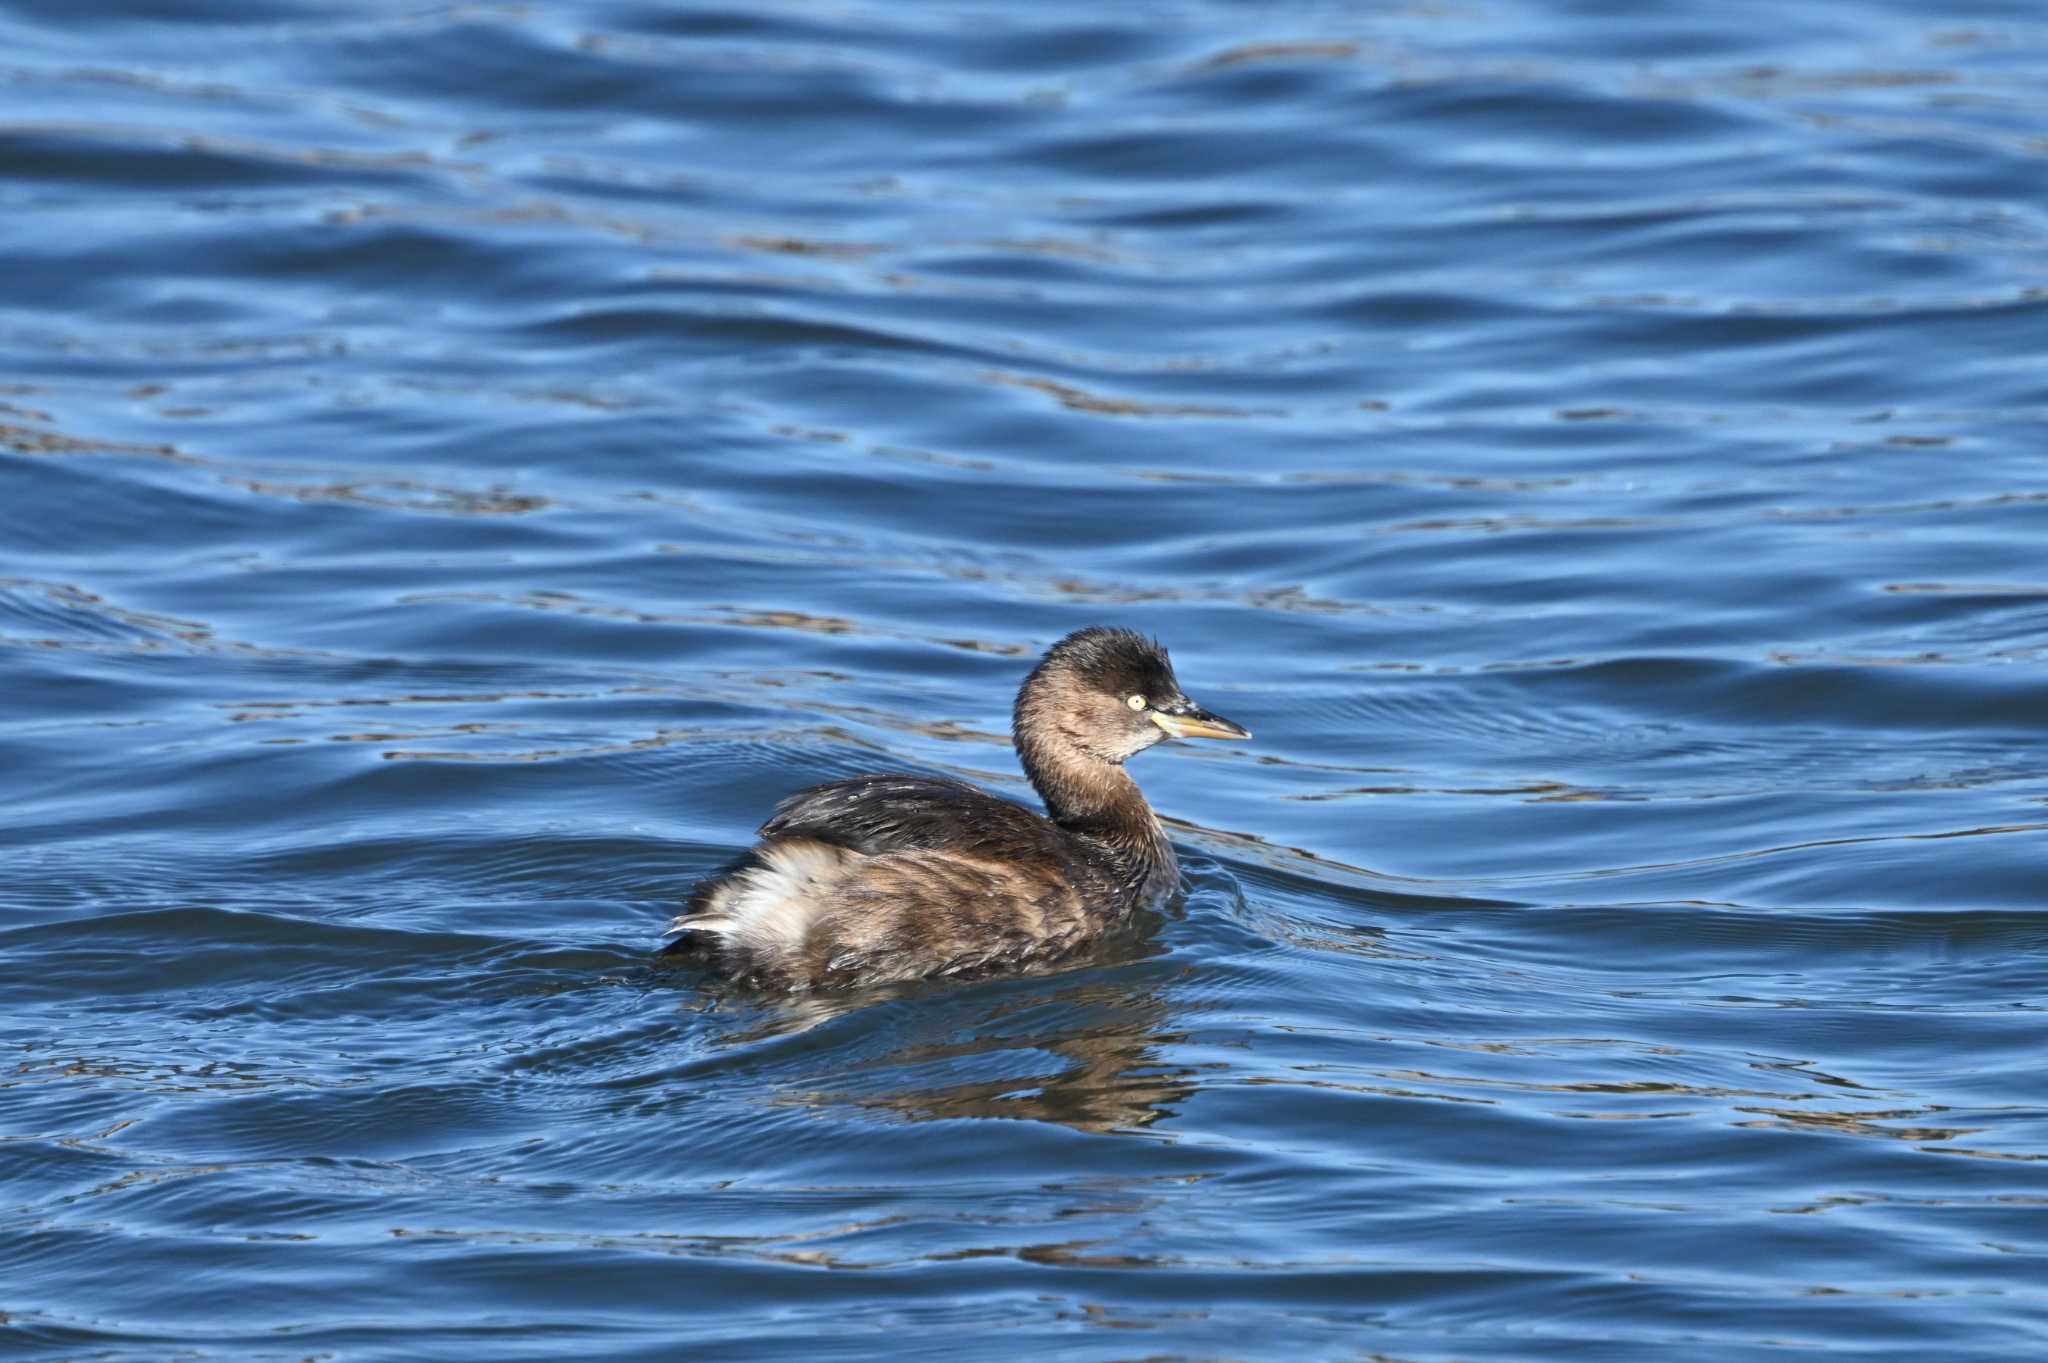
(885, 878)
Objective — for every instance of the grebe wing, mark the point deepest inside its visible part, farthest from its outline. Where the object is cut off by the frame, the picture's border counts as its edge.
(873, 816)
(876, 814)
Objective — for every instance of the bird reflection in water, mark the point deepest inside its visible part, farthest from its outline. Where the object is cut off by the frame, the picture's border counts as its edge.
(1081, 1046)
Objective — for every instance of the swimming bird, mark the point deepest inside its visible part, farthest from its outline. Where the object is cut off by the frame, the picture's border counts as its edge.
(880, 879)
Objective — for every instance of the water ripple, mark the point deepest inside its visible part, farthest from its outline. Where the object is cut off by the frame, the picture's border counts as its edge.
(462, 465)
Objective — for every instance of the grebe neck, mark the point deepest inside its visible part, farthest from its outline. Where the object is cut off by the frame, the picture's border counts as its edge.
(1097, 801)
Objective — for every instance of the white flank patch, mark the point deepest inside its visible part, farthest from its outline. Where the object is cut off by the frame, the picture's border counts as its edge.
(769, 909)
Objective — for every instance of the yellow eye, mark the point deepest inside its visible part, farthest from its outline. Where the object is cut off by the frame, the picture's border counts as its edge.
(1136, 702)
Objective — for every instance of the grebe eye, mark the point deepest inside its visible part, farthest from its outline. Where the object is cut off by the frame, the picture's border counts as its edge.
(1136, 702)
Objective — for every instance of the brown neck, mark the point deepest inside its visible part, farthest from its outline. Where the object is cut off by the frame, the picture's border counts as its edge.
(1089, 796)
(1081, 778)
(1078, 787)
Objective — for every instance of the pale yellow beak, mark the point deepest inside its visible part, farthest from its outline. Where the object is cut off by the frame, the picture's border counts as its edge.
(1193, 721)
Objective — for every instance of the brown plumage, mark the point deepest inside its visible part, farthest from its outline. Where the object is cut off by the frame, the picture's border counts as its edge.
(884, 878)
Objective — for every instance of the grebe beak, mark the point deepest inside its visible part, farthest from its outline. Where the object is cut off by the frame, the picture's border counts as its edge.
(1185, 719)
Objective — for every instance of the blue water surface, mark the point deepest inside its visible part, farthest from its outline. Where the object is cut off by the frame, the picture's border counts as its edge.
(460, 464)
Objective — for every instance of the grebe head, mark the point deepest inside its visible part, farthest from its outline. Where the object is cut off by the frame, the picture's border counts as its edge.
(1109, 694)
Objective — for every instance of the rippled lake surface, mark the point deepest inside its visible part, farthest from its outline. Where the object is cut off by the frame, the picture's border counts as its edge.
(460, 465)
